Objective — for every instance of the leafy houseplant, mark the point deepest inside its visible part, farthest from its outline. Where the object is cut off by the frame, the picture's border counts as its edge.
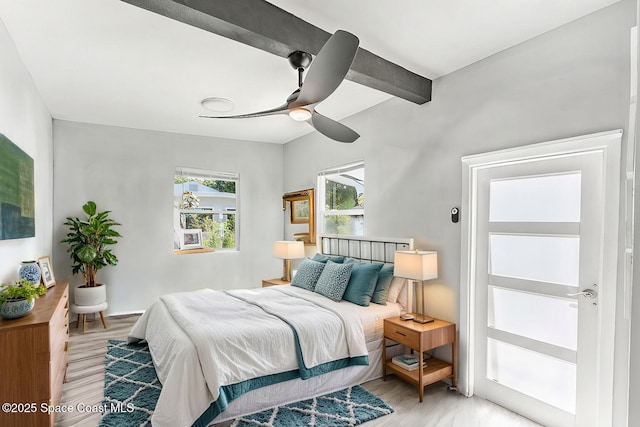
(17, 299)
(88, 239)
(21, 289)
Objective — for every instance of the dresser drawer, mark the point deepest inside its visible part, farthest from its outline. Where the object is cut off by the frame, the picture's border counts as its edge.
(402, 335)
(59, 323)
(58, 341)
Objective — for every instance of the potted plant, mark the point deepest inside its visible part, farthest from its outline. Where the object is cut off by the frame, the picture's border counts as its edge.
(89, 239)
(17, 299)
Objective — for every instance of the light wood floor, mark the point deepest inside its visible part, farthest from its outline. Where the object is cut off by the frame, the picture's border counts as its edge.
(85, 381)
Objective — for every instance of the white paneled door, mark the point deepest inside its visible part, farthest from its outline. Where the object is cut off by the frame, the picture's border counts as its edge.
(538, 279)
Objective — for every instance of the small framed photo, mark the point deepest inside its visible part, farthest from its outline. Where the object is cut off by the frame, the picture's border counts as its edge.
(190, 238)
(47, 277)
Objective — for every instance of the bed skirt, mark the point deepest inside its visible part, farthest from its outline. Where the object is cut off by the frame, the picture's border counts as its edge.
(296, 390)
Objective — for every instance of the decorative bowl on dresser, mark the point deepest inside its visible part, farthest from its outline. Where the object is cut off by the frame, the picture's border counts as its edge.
(16, 307)
(33, 365)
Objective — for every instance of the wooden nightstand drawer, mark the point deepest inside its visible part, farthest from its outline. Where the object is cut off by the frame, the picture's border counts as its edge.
(402, 335)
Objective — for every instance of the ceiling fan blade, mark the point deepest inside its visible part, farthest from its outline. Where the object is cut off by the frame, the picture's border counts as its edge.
(328, 69)
(332, 129)
(283, 109)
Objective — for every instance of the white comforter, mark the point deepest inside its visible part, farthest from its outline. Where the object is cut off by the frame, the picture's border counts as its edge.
(233, 340)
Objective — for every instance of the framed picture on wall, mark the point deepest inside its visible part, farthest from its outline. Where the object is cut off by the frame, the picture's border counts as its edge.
(47, 276)
(190, 238)
(17, 194)
(300, 211)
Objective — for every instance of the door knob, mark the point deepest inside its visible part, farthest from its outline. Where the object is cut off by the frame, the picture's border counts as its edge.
(587, 293)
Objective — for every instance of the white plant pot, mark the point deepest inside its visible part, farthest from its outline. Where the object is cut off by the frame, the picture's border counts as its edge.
(90, 296)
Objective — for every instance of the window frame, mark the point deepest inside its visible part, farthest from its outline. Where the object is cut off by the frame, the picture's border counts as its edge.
(217, 176)
(323, 213)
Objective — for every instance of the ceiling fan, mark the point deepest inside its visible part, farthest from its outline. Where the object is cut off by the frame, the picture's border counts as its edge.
(329, 69)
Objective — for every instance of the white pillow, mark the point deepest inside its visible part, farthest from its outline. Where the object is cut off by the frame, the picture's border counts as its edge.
(397, 284)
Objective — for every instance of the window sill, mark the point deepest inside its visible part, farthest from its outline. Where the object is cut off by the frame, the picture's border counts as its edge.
(193, 251)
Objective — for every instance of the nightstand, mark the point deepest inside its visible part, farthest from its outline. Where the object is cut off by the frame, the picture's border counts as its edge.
(421, 337)
(273, 282)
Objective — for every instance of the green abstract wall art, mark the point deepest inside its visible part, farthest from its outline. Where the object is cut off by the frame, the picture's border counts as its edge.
(17, 200)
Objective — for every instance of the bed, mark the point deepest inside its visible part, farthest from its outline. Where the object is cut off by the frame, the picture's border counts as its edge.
(223, 354)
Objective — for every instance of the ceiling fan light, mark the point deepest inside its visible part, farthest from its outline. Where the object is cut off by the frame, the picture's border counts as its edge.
(218, 105)
(300, 114)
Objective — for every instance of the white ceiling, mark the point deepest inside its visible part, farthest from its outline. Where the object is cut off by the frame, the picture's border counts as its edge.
(108, 62)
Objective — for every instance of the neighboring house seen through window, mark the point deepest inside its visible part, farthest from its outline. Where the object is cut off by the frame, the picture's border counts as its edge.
(206, 201)
(341, 200)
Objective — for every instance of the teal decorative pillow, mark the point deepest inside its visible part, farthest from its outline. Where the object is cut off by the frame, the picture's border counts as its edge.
(324, 258)
(383, 285)
(333, 280)
(308, 274)
(362, 283)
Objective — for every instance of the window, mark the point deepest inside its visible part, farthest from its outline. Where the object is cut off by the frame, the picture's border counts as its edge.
(207, 201)
(341, 200)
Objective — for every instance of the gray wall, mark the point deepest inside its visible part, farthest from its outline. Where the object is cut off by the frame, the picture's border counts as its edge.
(25, 120)
(130, 172)
(568, 82)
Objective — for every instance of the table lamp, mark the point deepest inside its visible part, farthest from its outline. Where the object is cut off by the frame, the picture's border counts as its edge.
(288, 250)
(417, 266)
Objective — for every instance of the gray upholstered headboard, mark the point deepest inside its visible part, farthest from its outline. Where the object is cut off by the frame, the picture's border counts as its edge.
(371, 249)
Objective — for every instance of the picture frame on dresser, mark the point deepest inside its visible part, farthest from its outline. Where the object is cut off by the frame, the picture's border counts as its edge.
(47, 276)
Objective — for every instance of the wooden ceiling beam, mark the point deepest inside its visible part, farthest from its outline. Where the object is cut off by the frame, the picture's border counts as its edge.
(262, 25)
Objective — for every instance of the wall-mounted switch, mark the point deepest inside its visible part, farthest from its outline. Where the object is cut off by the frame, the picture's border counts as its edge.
(455, 215)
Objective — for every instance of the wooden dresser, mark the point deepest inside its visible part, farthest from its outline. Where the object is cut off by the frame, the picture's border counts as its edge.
(33, 360)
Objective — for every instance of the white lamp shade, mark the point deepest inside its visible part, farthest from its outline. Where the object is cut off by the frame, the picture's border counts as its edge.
(288, 249)
(416, 265)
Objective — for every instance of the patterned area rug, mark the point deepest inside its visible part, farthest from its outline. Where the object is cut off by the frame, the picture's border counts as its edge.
(131, 390)
(131, 386)
(348, 407)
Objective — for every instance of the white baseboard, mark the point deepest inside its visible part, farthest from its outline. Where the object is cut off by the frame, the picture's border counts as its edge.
(125, 313)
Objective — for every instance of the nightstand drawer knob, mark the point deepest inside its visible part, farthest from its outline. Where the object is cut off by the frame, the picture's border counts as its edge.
(400, 333)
